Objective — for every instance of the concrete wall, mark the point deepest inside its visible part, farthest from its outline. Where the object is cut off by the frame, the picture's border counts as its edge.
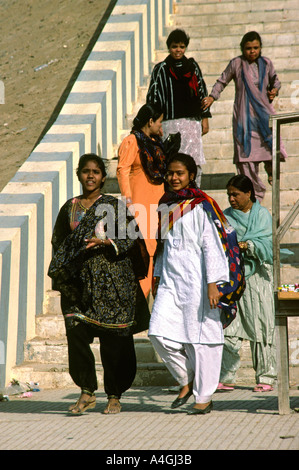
(91, 120)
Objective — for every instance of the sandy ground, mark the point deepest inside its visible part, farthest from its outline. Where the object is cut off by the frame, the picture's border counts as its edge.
(59, 33)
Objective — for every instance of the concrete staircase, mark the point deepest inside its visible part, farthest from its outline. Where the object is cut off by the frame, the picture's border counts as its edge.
(216, 29)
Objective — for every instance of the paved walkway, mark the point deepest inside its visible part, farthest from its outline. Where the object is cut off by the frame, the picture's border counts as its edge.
(241, 420)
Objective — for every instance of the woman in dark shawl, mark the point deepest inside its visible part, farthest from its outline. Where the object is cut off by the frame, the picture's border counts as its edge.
(96, 256)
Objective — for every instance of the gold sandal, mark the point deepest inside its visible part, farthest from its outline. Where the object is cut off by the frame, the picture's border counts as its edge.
(113, 406)
(82, 405)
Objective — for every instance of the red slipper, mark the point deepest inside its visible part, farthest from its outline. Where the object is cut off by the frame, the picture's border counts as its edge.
(263, 388)
(224, 388)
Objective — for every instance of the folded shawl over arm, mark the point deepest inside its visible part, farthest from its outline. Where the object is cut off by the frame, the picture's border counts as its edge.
(257, 228)
(256, 319)
(99, 285)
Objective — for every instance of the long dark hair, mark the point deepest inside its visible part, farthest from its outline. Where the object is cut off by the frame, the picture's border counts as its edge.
(242, 183)
(145, 113)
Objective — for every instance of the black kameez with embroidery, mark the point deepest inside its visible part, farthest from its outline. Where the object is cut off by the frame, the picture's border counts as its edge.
(98, 285)
(100, 294)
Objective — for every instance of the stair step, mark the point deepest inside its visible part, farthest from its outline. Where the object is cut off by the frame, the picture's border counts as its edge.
(214, 7)
(237, 29)
(227, 52)
(215, 151)
(224, 135)
(289, 274)
(56, 375)
(201, 41)
(220, 121)
(53, 350)
(51, 376)
(213, 160)
(190, 15)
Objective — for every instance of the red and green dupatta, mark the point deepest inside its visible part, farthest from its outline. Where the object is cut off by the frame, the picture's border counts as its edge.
(184, 201)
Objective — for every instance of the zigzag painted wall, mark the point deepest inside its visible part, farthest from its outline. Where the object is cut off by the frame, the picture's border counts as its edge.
(90, 121)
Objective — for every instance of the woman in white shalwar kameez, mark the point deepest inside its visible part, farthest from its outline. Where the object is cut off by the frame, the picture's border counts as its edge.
(186, 328)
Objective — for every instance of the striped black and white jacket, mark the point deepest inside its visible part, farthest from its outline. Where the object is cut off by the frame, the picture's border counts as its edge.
(161, 92)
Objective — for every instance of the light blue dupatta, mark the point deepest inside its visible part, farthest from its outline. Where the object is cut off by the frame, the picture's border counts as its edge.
(257, 227)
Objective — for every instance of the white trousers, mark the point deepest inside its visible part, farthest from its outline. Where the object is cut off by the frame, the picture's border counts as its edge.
(197, 363)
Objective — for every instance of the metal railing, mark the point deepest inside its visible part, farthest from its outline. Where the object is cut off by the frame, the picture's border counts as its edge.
(287, 307)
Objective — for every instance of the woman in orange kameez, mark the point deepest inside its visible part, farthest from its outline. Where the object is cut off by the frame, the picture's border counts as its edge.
(140, 172)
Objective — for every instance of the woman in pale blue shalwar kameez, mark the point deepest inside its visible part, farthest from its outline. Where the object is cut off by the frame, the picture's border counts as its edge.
(255, 320)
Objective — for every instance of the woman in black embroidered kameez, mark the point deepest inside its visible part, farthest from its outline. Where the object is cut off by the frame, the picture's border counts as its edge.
(95, 269)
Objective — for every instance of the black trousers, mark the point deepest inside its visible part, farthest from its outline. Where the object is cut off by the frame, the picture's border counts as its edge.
(117, 355)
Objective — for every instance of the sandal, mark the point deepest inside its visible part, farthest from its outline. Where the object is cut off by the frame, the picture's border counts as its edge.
(225, 388)
(82, 405)
(113, 407)
(263, 388)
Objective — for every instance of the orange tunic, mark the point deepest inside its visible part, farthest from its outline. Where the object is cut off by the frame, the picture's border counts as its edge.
(145, 196)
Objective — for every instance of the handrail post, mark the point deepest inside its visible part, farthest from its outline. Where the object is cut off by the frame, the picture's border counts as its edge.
(281, 318)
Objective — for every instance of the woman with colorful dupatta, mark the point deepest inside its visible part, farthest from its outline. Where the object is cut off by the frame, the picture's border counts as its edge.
(256, 85)
(177, 87)
(255, 321)
(92, 268)
(141, 170)
(199, 273)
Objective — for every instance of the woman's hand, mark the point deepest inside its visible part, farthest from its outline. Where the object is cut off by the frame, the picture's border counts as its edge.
(207, 102)
(213, 294)
(243, 246)
(204, 126)
(272, 93)
(93, 242)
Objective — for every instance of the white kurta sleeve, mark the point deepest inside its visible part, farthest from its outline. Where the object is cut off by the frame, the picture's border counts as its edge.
(216, 263)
